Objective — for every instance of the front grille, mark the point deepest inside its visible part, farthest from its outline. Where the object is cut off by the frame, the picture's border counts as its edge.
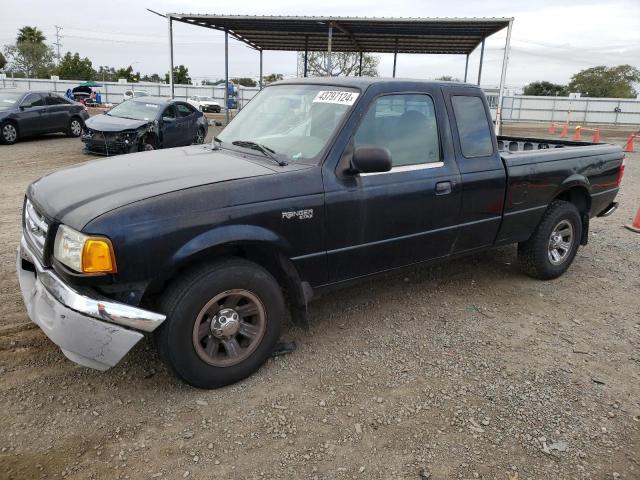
(35, 228)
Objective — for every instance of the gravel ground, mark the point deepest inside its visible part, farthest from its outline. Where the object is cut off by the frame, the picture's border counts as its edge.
(464, 370)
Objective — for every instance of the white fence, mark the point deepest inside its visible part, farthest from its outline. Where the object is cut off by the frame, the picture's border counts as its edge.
(519, 108)
(607, 111)
(113, 92)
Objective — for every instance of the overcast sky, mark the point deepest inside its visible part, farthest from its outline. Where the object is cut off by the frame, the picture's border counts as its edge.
(552, 39)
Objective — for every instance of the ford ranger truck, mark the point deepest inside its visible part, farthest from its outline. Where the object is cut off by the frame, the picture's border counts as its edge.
(315, 184)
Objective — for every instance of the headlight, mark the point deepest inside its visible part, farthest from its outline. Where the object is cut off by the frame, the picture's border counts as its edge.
(84, 253)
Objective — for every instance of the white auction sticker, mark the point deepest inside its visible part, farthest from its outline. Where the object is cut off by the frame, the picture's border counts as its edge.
(336, 96)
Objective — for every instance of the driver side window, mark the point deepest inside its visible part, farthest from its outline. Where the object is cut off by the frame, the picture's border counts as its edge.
(33, 100)
(169, 112)
(406, 125)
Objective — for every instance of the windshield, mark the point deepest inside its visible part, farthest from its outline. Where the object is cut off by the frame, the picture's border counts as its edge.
(294, 121)
(135, 110)
(9, 99)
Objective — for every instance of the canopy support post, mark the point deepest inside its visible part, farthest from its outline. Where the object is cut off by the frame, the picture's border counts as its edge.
(329, 51)
(395, 57)
(466, 68)
(306, 54)
(226, 76)
(481, 60)
(503, 77)
(171, 90)
(360, 68)
(260, 69)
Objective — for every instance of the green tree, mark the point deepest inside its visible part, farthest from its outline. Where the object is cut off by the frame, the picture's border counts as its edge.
(180, 75)
(244, 81)
(545, 89)
(30, 34)
(272, 77)
(72, 67)
(154, 77)
(343, 64)
(29, 58)
(601, 81)
(127, 74)
(448, 78)
(3, 61)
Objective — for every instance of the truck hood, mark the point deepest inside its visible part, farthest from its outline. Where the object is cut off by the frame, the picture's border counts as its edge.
(107, 123)
(77, 195)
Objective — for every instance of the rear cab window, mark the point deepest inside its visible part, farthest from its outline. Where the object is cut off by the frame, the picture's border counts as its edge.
(473, 126)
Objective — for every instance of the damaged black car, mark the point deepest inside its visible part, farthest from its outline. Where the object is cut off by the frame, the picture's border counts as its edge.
(146, 123)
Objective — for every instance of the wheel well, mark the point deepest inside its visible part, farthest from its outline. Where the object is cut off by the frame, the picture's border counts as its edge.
(151, 135)
(579, 196)
(267, 257)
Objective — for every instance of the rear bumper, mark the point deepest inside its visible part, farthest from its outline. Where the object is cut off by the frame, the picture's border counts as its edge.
(92, 332)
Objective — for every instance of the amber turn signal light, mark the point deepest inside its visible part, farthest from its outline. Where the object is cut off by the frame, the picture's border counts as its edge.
(98, 256)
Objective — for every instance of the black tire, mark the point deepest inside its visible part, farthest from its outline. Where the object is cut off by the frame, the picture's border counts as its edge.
(74, 128)
(8, 133)
(200, 136)
(535, 255)
(148, 144)
(184, 302)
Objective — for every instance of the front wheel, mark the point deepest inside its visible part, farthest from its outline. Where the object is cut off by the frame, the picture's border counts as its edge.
(554, 244)
(223, 322)
(148, 144)
(8, 133)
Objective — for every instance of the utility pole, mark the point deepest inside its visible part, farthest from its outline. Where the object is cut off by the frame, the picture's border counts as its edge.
(57, 42)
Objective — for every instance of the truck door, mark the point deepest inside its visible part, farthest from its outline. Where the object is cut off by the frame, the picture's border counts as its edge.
(482, 173)
(385, 220)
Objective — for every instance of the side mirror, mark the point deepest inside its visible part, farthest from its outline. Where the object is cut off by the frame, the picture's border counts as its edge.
(22, 107)
(168, 119)
(371, 159)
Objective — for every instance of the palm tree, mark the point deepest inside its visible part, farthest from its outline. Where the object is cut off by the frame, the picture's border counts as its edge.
(30, 34)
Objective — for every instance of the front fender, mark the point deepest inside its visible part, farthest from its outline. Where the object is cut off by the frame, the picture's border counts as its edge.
(228, 235)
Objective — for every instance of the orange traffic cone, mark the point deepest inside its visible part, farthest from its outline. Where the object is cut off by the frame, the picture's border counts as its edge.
(552, 129)
(596, 136)
(576, 136)
(629, 145)
(635, 226)
(565, 131)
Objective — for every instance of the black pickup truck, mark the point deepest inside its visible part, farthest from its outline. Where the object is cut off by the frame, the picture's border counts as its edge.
(315, 183)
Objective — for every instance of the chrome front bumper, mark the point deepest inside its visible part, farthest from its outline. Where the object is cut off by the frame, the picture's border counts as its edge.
(92, 332)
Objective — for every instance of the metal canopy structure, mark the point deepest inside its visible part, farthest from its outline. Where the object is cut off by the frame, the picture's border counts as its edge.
(454, 36)
(439, 36)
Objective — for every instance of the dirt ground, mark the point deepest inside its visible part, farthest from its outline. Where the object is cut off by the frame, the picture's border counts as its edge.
(465, 370)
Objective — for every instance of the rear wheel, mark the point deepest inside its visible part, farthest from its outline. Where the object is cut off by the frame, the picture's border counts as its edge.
(199, 136)
(223, 322)
(74, 129)
(552, 247)
(8, 133)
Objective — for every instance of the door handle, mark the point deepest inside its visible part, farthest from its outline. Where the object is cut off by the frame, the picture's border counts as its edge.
(443, 188)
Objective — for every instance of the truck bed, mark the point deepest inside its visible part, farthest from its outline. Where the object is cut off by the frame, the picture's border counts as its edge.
(519, 144)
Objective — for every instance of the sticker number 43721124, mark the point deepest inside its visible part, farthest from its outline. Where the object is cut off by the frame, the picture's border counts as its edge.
(336, 96)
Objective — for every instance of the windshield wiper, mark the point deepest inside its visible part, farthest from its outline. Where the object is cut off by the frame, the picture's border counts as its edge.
(266, 151)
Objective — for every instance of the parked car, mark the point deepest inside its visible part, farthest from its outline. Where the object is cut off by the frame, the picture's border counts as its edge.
(25, 114)
(129, 94)
(204, 104)
(207, 246)
(146, 123)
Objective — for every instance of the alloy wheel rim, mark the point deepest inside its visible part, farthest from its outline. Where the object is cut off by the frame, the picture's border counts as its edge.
(148, 147)
(9, 133)
(200, 137)
(560, 242)
(229, 328)
(76, 128)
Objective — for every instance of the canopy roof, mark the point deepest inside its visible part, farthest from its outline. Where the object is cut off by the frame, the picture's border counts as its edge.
(353, 34)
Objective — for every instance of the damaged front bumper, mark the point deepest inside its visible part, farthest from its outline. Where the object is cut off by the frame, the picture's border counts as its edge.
(93, 332)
